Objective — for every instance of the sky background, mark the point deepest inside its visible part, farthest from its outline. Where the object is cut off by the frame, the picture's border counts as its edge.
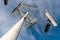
(35, 32)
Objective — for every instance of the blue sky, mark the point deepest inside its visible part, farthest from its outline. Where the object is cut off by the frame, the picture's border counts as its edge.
(36, 32)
